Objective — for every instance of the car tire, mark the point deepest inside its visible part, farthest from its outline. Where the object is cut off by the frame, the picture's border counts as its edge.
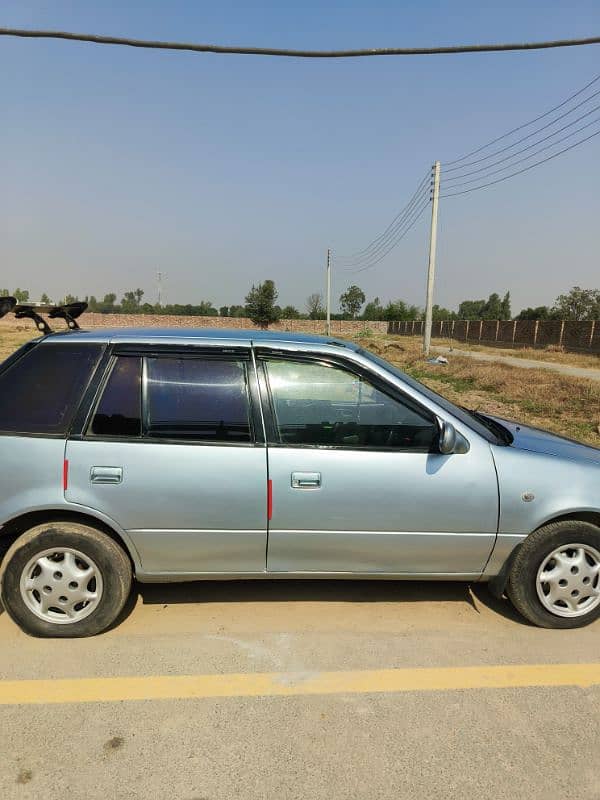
(65, 580)
(554, 579)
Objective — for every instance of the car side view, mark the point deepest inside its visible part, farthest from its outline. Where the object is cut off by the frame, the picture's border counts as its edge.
(179, 455)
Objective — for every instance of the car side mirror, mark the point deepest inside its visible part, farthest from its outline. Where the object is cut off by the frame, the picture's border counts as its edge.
(447, 440)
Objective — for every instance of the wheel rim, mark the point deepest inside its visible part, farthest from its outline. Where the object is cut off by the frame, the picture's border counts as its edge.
(568, 580)
(61, 585)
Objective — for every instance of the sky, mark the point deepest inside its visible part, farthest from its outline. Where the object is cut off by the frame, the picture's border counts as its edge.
(221, 171)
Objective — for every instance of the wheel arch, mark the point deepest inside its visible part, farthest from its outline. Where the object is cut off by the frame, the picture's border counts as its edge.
(13, 528)
(497, 584)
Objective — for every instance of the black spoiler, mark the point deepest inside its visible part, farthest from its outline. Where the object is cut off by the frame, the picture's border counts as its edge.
(69, 312)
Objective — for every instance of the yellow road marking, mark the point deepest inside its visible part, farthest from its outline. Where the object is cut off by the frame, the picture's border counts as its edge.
(277, 684)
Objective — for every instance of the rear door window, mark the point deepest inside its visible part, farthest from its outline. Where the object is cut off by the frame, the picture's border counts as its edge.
(119, 412)
(40, 392)
(197, 398)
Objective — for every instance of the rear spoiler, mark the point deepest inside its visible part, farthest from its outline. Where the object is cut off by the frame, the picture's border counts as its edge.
(69, 312)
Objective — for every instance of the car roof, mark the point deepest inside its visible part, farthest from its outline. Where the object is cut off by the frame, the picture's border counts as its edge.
(141, 335)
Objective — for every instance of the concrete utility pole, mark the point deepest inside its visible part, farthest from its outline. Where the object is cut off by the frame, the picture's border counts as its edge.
(159, 277)
(328, 292)
(432, 248)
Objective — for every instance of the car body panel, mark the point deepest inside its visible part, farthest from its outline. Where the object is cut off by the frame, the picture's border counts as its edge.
(186, 507)
(383, 511)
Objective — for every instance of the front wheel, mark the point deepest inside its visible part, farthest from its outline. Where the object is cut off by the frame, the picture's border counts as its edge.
(65, 580)
(554, 580)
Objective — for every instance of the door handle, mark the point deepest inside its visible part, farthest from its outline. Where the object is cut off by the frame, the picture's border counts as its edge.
(306, 480)
(106, 474)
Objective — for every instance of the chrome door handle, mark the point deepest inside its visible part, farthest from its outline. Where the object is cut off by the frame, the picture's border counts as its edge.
(106, 474)
(306, 480)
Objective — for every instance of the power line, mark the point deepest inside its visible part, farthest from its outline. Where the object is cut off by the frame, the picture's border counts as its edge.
(524, 125)
(387, 245)
(533, 133)
(357, 254)
(490, 171)
(525, 169)
(397, 241)
(290, 53)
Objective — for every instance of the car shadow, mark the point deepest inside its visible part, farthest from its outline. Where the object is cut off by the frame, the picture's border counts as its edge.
(326, 591)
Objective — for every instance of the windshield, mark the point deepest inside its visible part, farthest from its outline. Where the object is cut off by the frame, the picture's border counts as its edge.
(460, 413)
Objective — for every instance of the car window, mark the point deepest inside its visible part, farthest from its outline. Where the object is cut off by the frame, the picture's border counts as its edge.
(40, 392)
(119, 412)
(318, 404)
(197, 398)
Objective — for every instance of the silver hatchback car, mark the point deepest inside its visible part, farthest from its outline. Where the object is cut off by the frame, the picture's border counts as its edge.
(178, 455)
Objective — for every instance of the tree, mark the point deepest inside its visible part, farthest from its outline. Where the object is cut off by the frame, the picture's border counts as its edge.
(45, 300)
(131, 302)
(505, 312)
(260, 304)
(439, 313)
(21, 295)
(314, 306)
(578, 304)
(108, 304)
(396, 311)
(373, 310)
(352, 300)
(237, 311)
(224, 311)
(471, 309)
(290, 312)
(539, 312)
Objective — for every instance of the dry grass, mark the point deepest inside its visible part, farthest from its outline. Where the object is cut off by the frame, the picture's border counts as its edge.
(560, 403)
(13, 337)
(551, 353)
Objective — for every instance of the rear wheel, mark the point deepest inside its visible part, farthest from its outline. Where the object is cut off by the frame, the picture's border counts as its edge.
(65, 580)
(554, 580)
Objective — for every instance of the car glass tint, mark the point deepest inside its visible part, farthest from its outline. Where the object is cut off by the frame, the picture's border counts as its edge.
(316, 404)
(39, 393)
(199, 399)
(119, 412)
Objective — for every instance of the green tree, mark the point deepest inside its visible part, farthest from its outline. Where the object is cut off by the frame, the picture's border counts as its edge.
(314, 306)
(373, 310)
(108, 303)
(21, 295)
(352, 300)
(505, 312)
(224, 311)
(45, 300)
(440, 313)
(539, 312)
(237, 311)
(577, 304)
(130, 302)
(398, 310)
(260, 304)
(290, 312)
(471, 309)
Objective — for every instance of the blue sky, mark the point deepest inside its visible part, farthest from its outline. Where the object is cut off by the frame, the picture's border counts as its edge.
(225, 170)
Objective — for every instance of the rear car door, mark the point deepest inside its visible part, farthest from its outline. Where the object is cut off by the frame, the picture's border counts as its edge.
(358, 483)
(173, 451)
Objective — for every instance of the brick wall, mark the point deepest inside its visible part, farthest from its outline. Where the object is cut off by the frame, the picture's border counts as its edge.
(93, 320)
(579, 337)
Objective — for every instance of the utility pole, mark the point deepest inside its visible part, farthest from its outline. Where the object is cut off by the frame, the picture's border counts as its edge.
(328, 292)
(159, 277)
(435, 197)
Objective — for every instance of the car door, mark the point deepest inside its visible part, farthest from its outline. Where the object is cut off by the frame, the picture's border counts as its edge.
(358, 483)
(174, 453)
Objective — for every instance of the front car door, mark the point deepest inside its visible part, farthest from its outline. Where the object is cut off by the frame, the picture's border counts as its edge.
(358, 484)
(174, 453)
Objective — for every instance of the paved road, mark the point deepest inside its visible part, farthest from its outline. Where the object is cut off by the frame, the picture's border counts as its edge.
(401, 727)
(524, 363)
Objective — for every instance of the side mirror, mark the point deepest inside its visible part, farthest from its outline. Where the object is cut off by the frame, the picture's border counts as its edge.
(447, 440)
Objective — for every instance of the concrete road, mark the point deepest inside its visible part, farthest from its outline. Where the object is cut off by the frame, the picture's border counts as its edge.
(524, 363)
(303, 690)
